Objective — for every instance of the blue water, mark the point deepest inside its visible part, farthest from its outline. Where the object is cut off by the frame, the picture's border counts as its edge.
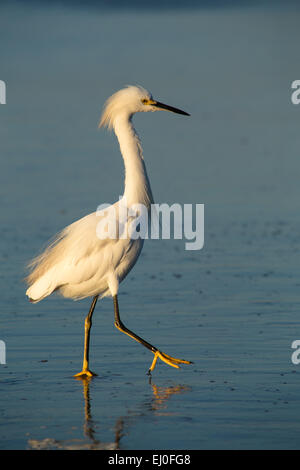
(233, 307)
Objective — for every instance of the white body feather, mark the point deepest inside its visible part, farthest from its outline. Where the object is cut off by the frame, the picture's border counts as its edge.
(79, 264)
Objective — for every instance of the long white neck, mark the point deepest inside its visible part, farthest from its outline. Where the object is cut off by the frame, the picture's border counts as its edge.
(137, 186)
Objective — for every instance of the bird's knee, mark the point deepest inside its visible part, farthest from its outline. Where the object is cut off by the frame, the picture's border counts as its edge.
(120, 326)
(87, 323)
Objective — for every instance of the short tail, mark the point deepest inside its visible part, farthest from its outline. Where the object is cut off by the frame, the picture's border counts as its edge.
(41, 288)
(43, 278)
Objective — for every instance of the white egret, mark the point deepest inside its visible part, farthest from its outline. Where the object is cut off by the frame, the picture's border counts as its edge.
(78, 263)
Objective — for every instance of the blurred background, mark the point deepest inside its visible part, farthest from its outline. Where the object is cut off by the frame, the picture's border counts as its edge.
(233, 307)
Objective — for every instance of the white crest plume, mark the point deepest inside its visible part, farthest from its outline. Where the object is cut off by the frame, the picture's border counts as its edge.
(127, 100)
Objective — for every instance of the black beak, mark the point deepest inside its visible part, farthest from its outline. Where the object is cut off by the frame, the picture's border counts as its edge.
(159, 105)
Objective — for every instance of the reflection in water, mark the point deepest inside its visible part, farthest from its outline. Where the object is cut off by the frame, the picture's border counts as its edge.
(162, 394)
(158, 402)
(89, 427)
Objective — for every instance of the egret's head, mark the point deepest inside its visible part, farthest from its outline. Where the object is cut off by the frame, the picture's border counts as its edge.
(130, 100)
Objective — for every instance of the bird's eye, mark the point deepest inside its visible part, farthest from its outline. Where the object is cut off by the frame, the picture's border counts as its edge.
(144, 101)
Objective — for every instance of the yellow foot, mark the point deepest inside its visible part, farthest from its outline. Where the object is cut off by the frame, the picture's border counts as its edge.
(85, 373)
(171, 361)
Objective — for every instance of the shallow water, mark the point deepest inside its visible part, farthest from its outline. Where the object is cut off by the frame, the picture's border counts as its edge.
(233, 307)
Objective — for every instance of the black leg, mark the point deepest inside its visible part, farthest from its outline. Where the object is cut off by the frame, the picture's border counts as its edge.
(171, 361)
